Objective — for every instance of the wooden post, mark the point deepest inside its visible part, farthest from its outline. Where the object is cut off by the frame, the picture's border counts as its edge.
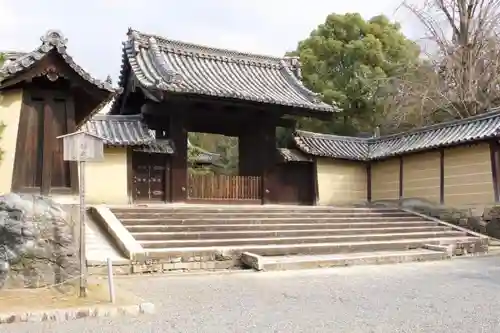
(83, 261)
(111, 284)
(368, 182)
(82, 147)
(441, 176)
(401, 177)
(494, 153)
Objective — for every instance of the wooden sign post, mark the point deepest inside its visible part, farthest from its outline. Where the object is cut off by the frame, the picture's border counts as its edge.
(82, 147)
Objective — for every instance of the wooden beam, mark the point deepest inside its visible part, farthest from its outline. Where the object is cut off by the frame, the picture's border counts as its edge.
(71, 127)
(494, 154)
(237, 103)
(48, 144)
(369, 182)
(167, 187)
(315, 182)
(286, 123)
(20, 157)
(401, 177)
(441, 176)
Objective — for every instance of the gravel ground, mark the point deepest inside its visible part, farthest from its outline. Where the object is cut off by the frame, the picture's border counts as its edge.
(461, 295)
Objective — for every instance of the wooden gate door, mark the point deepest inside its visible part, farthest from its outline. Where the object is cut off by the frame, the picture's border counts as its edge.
(292, 183)
(224, 188)
(149, 176)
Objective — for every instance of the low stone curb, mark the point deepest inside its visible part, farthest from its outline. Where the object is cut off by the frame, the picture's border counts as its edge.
(76, 313)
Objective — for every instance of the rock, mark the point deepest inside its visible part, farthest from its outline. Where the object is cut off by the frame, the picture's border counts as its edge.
(491, 213)
(35, 239)
(476, 224)
(493, 229)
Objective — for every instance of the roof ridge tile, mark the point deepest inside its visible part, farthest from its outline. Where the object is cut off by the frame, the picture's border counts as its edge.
(200, 49)
(154, 61)
(480, 127)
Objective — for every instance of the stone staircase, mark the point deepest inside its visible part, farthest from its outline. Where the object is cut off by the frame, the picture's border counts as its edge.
(277, 237)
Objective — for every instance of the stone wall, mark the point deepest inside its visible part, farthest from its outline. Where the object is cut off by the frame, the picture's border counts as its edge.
(37, 243)
(485, 221)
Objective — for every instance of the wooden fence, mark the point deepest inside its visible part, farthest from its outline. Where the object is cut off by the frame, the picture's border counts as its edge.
(223, 187)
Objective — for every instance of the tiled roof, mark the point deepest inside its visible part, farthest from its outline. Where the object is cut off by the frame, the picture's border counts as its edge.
(174, 66)
(472, 129)
(159, 146)
(336, 146)
(52, 40)
(10, 56)
(293, 155)
(120, 130)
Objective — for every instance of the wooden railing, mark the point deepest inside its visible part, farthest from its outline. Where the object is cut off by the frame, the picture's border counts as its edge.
(223, 187)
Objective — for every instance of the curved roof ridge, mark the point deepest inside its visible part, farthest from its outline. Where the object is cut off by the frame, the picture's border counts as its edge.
(51, 40)
(495, 112)
(203, 49)
(331, 136)
(131, 117)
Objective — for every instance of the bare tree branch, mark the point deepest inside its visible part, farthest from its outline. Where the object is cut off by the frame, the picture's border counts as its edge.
(461, 73)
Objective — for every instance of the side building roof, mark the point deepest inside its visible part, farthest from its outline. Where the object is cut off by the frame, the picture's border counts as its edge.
(130, 130)
(120, 130)
(53, 40)
(472, 129)
(161, 64)
(18, 66)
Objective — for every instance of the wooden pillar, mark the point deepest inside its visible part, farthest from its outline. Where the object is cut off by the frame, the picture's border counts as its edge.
(247, 155)
(441, 176)
(495, 168)
(70, 128)
(167, 189)
(401, 177)
(368, 182)
(178, 173)
(257, 149)
(315, 181)
(48, 145)
(267, 151)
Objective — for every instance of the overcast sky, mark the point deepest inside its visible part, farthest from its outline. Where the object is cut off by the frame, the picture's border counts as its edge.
(96, 28)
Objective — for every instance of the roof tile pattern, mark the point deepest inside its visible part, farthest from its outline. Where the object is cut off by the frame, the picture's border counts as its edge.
(475, 128)
(342, 147)
(293, 155)
(175, 66)
(159, 146)
(120, 130)
(52, 40)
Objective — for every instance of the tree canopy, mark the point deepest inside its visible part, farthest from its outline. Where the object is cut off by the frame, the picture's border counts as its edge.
(351, 62)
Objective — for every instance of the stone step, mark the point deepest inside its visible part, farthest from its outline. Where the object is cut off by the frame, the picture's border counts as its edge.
(271, 220)
(284, 226)
(199, 235)
(222, 253)
(275, 263)
(249, 209)
(149, 244)
(228, 215)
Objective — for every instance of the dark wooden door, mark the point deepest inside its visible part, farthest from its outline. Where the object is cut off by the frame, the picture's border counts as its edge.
(292, 183)
(149, 176)
(39, 164)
